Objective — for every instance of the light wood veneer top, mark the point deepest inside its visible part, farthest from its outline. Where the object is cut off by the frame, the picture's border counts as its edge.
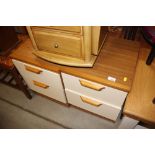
(117, 59)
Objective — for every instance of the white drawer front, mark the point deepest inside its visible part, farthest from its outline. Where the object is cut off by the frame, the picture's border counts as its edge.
(107, 94)
(104, 109)
(52, 80)
(44, 76)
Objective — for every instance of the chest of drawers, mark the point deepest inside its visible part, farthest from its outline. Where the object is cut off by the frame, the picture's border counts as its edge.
(86, 88)
(88, 95)
(68, 45)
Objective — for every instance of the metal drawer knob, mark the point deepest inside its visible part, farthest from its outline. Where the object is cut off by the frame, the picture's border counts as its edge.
(56, 46)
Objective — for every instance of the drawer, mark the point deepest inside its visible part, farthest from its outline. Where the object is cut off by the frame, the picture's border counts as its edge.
(47, 90)
(98, 91)
(95, 106)
(42, 81)
(76, 29)
(59, 43)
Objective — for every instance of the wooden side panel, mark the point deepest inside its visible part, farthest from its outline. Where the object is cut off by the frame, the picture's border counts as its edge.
(139, 103)
(32, 37)
(95, 39)
(87, 43)
(99, 34)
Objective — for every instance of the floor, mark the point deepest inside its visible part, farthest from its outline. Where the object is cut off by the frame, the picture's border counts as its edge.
(16, 111)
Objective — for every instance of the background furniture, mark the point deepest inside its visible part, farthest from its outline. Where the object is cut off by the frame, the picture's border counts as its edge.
(20, 29)
(139, 106)
(8, 39)
(130, 32)
(149, 35)
(68, 45)
(10, 76)
(8, 73)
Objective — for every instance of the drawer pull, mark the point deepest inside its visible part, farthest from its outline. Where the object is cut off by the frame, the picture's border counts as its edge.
(89, 101)
(39, 84)
(34, 70)
(92, 86)
(56, 46)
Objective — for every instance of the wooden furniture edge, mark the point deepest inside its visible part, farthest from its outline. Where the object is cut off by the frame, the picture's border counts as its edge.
(87, 43)
(97, 80)
(142, 116)
(32, 38)
(63, 60)
(75, 73)
(139, 118)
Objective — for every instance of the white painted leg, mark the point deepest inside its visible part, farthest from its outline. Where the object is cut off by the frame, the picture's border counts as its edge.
(127, 123)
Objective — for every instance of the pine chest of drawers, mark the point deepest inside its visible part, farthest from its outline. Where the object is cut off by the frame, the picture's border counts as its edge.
(68, 45)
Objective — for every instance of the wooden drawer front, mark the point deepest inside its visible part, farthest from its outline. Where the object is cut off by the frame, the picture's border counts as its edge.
(42, 81)
(58, 42)
(76, 29)
(104, 93)
(95, 106)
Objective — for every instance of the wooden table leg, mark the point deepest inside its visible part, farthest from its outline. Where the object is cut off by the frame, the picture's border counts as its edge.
(130, 32)
(151, 56)
(20, 83)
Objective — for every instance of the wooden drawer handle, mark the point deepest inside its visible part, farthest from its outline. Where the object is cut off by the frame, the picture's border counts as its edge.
(34, 70)
(39, 84)
(89, 101)
(91, 85)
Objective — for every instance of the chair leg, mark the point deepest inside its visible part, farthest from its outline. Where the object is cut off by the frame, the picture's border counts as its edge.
(126, 31)
(20, 83)
(151, 56)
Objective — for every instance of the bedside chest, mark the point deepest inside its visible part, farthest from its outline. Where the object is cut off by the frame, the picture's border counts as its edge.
(68, 45)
